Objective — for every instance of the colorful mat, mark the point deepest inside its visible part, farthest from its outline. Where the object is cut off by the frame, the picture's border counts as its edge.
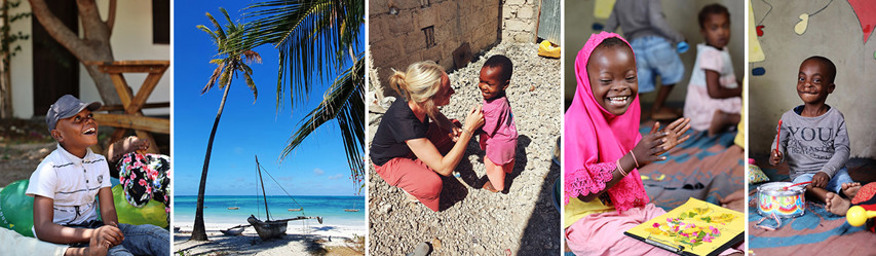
(817, 231)
(704, 167)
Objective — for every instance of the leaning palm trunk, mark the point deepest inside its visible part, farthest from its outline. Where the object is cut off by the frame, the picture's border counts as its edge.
(199, 233)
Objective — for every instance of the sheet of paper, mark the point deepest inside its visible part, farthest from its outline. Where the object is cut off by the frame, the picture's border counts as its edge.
(698, 226)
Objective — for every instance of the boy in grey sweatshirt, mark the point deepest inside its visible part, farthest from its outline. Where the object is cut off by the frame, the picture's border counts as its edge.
(814, 138)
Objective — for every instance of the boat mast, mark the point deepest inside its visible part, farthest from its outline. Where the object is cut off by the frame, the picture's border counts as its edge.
(258, 167)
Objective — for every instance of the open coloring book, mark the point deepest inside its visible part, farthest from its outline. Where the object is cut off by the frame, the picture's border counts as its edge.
(694, 228)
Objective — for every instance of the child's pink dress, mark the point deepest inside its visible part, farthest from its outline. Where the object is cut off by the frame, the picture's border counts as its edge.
(698, 105)
(594, 140)
(499, 137)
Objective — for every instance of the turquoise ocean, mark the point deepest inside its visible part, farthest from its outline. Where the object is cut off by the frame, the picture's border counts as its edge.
(216, 211)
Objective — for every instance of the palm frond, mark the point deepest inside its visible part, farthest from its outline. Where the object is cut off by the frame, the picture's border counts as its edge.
(312, 36)
(343, 102)
(251, 56)
(251, 84)
(216, 73)
(225, 78)
(210, 32)
(219, 32)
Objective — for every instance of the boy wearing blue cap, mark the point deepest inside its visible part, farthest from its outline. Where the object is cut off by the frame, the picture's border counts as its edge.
(66, 182)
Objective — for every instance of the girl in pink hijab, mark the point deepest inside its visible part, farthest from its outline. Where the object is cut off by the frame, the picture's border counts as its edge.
(604, 192)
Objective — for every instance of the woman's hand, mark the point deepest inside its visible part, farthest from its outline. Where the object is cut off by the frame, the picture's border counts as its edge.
(474, 120)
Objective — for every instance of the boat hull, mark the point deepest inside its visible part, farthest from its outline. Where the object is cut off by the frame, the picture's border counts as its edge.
(268, 229)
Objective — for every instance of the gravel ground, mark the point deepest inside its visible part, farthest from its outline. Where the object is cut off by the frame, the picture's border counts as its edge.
(23, 143)
(475, 221)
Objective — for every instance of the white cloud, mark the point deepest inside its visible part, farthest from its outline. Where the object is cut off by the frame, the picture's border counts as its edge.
(318, 171)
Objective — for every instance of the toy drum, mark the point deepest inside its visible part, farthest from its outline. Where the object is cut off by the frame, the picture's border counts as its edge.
(773, 198)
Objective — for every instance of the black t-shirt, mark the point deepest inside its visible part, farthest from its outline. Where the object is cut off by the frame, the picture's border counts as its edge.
(398, 125)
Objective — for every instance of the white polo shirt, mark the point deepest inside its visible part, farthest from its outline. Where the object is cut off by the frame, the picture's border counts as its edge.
(72, 183)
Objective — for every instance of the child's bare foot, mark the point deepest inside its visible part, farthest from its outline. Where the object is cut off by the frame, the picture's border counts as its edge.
(489, 187)
(851, 189)
(718, 123)
(664, 113)
(836, 204)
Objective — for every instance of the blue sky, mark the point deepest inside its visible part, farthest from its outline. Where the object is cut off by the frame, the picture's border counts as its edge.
(317, 167)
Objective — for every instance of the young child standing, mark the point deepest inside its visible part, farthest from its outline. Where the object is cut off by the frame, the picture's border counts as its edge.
(653, 42)
(499, 136)
(814, 139)
(66, 182)
(713, 101)
(604, 149)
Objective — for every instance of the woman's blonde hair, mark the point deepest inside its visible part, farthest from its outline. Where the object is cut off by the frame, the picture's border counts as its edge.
(419, 84)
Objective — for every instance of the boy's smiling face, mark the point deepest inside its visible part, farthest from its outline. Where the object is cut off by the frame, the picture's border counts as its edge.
(613, 78)
(716, 29)
(76, 132)
(490, 82)
(814, 82)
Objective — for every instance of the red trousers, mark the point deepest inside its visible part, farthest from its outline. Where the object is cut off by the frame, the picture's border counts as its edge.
(413, 176)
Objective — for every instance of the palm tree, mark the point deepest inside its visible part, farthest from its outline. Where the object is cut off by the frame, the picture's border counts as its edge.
(231, 61)
(316, 38)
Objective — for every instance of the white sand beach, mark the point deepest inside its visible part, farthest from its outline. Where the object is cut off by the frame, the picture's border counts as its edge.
(300, 239)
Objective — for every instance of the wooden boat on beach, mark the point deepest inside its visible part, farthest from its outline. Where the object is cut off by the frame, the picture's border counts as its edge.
(234, 231)
(268, 228)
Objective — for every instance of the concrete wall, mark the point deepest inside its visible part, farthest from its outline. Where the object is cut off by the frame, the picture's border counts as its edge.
(519, 20)
(131, 40)
(397, 39)
(680, 14)
(835, 33)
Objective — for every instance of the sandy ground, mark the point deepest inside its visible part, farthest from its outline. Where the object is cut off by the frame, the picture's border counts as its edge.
(474, 221)
(23, 143)
(300, 240)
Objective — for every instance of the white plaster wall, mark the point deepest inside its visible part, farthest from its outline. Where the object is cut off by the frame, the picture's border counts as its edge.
(21, 68)
(131, 40)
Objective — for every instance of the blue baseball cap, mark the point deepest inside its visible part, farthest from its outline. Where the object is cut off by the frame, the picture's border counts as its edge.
(65, 107)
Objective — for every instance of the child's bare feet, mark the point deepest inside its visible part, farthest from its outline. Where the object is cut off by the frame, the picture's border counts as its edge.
(664, 113)
(851, 189)
(489, 187)
(836, 204)
(721, 120)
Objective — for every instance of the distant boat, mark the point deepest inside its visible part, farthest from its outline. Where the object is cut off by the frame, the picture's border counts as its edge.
(351, 210)
(296, 210)
(271, 228)
(234, 231)
(234, 208)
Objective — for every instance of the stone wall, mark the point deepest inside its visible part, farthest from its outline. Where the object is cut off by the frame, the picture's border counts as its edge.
(520, 20)
(398, 32)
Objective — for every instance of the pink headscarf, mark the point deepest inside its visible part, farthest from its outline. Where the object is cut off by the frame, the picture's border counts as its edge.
(595, 139)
